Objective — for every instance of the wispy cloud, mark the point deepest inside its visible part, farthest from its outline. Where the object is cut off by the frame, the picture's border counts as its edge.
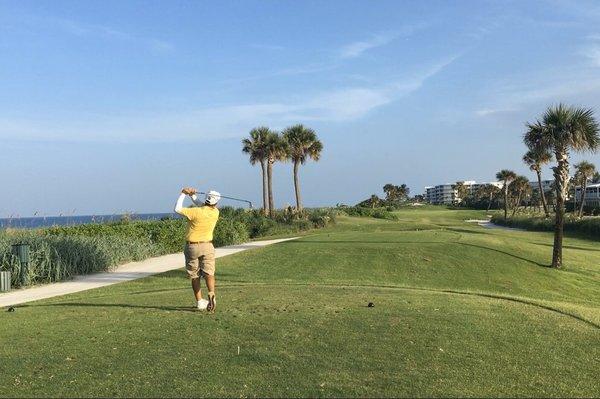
(355, 49)
(226, 121)
(545, 87)
(270, 47)
(101, 31)
(592, 49)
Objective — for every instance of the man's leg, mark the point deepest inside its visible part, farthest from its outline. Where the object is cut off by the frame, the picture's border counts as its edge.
(192, 265)
(208, 271)
(196, 288)
(210, 285)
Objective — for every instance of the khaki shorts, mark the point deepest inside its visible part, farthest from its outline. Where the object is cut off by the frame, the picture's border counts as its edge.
(199, 258)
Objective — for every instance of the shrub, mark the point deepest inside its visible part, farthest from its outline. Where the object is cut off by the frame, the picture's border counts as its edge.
(54, 258)
(60, 252)
(379, 213)
(229, 232)
(589, 227)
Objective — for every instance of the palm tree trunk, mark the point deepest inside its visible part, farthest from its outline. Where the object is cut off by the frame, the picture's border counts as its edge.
(297, 186)
(264, 187)
(561, 178)
(505, 199)
(489, 203)
(516, 205)
(583, 189)
(542, 195)
(270, 186)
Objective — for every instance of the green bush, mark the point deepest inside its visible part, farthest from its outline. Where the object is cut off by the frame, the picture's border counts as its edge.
(588, 227)
(229, 232)
(55, 258)
(379, 213)
(60, 252)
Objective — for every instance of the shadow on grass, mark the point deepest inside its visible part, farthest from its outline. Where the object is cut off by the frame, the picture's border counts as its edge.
(115, 305)
(474, 231)
(568, 247)
(433, 290)
(426, 242)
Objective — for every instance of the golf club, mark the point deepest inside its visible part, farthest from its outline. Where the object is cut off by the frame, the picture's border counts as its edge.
(231, 198)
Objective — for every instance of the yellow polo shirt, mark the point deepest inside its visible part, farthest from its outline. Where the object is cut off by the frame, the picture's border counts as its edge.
(201, 223)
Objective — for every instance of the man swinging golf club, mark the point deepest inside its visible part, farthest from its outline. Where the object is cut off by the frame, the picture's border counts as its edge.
(199, 251)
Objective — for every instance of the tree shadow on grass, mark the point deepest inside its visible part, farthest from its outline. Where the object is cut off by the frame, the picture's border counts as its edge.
(115, 305)
(426, 242)
(568, 247)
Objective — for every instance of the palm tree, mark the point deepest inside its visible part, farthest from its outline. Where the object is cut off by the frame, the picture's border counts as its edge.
(254, 146)
(461, 191)
(276, 150)
(374, 201)
(585, 171)
(535, 160)
(505, 176)
(394, 194)
(520, 187)
(303, 144)
(561, 130)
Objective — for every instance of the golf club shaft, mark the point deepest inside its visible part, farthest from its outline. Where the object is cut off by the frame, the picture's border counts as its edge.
(230, 198)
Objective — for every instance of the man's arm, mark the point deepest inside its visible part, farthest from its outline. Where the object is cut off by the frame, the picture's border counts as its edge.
(195, 200)
(179, 204)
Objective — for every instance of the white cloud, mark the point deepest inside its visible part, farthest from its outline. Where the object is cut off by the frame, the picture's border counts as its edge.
(592, 52)
(227, 121)
(355, 49)
(100, 31)
(546, 87)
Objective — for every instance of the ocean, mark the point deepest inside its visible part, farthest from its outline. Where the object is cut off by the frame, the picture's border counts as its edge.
(47, 221)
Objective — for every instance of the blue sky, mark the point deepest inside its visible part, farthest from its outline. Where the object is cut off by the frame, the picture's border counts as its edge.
(112, 106)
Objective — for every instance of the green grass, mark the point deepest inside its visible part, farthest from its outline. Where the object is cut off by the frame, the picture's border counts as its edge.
(459, 311)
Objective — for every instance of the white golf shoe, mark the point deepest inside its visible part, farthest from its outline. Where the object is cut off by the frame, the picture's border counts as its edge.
(202, 304)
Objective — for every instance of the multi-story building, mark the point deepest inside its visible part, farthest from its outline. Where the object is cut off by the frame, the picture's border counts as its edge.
(592, 195)
(445, 194)
(546, 185)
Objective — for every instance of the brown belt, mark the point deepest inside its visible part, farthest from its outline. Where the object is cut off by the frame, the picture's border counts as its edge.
(199, 242)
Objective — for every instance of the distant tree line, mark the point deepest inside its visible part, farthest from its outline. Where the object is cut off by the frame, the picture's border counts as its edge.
(394, 196)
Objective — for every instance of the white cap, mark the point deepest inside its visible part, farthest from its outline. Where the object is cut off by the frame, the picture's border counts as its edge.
(212, 197)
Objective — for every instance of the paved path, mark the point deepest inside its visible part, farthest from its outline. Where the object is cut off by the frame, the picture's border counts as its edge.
(488, 224)
(126, 272)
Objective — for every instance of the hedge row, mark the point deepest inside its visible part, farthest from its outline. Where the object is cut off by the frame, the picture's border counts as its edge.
(60, 252)
(588, 227)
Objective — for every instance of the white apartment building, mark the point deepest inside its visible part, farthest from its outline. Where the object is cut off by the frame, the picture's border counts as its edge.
(546, 185)
(446, 194)
(592, 195)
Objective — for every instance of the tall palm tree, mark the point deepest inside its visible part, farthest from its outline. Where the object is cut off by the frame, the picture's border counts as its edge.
(520, 187)
(461, 191)
(276, 150)
(505, 176)
(535, 160)
(254, 146)
(561, 130)
(303, 144)
(374, 201)
(585, 171)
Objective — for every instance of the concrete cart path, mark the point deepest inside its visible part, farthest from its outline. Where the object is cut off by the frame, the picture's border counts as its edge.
(126, 272)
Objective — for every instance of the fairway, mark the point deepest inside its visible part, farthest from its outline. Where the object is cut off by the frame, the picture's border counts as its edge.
(459, 310)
